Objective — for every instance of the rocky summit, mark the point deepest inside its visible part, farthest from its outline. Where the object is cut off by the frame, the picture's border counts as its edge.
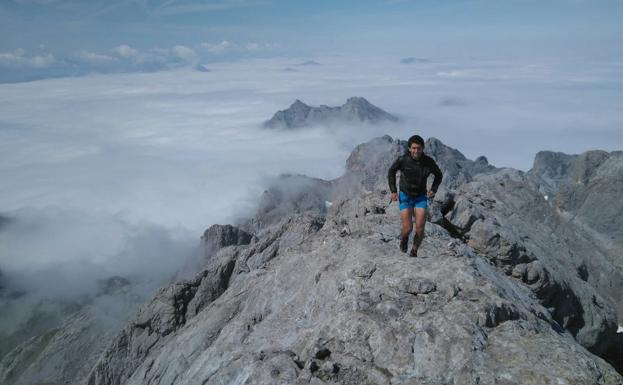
(509, 287)
(355, 110)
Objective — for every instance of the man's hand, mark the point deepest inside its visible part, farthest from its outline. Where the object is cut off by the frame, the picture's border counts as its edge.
(430, 194)
(394, 197)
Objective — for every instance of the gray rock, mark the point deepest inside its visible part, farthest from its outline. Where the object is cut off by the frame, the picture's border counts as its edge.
(554, 169)
(503, 216)
(288, 321)
(218, 236)
(355, 110)
(456, 168)
(586, 194)
(287, 195)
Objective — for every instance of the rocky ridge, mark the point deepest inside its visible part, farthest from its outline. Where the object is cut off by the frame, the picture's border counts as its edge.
(323, 295)
(313, 290)
(355, 110)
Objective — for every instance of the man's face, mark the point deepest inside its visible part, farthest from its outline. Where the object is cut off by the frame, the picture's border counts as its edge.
(416, 150)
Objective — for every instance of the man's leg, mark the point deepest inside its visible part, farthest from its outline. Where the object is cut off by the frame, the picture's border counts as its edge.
(420, 222)
(406, 219)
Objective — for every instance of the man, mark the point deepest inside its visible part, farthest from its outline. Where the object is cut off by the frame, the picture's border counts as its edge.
(415, 167)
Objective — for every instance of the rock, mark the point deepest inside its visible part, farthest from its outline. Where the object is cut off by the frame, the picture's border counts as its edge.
(417, 286)
(585, 192)
(365, 271)
(553, 168)
(218, 236)
(288, 195)
(526, 238)
(456, 168)
(322, 353)
(355, 110)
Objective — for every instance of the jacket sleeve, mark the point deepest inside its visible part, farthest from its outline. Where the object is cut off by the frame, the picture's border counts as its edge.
(438, 177)
(391, 175)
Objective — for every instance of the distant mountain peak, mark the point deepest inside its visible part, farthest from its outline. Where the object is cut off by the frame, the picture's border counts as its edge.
(298, 104)
(355, 110)
(358, 101)
(201, 68)
(411, 60)
(309, 63)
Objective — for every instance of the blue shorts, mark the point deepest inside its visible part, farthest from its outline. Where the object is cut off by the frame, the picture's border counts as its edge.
(409, 202)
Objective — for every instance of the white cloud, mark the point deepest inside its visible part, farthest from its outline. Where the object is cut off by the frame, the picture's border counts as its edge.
(94, 59)
(218, 47)
(122, 58)
(42, 61)
(253, 46)
(18, 60)
(185, 53)
(226, 46)
(126, 51)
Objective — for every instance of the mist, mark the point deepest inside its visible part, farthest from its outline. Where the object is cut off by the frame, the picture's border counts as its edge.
(119, 174)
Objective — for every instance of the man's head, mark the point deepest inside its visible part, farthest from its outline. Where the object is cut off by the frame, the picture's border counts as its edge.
(416, 146)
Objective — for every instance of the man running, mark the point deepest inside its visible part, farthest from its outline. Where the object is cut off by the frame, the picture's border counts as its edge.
(415, 167)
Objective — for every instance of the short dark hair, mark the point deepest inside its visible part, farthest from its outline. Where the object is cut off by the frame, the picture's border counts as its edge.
(415, 139)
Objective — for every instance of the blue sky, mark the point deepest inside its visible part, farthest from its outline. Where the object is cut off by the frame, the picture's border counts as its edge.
(54, 37)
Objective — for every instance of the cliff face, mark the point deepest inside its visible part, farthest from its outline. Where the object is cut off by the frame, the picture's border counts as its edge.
(506, 290)
(586, 193)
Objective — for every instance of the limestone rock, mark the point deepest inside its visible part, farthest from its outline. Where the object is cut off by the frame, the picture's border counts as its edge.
(218, 236)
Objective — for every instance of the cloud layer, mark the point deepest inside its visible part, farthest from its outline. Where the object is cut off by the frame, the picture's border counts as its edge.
(20, 65)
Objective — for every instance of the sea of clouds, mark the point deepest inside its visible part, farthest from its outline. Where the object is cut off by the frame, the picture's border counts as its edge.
(119, 174)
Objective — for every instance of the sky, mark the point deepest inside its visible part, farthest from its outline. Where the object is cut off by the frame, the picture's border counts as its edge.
(129, 127)
(45, 38)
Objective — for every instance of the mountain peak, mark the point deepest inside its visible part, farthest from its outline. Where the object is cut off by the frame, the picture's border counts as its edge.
(358, 100)
(356, 110)
(298, 104)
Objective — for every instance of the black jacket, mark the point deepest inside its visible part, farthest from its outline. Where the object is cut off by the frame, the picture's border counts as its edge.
(413, 174)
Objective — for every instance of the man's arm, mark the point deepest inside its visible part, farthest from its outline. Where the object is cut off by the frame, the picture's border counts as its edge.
(391, 175)
(438, 177)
